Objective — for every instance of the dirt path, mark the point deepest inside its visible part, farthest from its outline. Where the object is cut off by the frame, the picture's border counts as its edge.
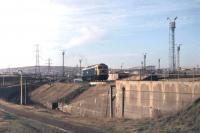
(66, 126)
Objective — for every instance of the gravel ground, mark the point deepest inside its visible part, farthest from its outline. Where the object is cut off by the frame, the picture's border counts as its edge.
(10, 123)
(185, 121)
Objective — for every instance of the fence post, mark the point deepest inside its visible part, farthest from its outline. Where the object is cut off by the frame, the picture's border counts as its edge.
(123, 101)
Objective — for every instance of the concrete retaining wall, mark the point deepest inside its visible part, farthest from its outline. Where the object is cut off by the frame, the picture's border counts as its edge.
(153, 98)
(92, 106)
(94, 102)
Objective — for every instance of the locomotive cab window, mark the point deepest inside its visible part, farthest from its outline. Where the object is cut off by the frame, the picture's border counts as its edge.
(100, 67)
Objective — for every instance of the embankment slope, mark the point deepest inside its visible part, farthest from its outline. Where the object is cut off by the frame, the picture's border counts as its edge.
(185, 121)
(46, 94)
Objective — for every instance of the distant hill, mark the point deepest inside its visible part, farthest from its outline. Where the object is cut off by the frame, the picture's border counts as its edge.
(43, 69)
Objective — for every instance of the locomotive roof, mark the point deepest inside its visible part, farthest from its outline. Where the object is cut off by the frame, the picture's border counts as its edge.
(92, 66)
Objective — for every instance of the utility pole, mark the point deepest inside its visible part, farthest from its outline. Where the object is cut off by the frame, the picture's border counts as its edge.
(159, 64)
(49, 65)
(80, 61)
(145, 57)
(142, 67)
(178, 56)
(122, 66)
(77, 69)
(3, 81)
(9, 72)
(37, 65)
(21, 84)
(63, 65)
(25, 91)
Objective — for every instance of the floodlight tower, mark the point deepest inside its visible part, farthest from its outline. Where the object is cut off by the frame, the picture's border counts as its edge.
(178, 56)
(172, 56)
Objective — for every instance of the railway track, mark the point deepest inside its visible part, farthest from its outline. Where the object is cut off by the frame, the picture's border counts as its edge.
(62, 125)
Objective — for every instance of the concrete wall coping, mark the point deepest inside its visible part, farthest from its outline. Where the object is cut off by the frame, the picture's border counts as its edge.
(166, 81)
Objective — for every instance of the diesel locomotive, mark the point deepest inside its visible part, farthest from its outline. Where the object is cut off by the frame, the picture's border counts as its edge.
(98, 72)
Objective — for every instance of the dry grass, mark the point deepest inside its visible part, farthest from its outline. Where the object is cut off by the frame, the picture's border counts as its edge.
(93, 91)
(47, 93)
(185, 121)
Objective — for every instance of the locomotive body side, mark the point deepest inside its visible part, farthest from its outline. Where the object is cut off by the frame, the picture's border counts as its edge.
(97, 72)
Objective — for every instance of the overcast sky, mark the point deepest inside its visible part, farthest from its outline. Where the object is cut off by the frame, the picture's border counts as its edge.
(107, 31)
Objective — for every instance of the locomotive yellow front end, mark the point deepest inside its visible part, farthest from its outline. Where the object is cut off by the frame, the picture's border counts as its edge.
(102, 72)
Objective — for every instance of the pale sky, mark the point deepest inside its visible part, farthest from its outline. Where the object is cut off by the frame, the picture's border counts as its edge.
(97, 31)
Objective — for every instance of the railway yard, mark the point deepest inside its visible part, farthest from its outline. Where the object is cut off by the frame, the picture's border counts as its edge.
(83, 107)
(99, 66)
(38, 119)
